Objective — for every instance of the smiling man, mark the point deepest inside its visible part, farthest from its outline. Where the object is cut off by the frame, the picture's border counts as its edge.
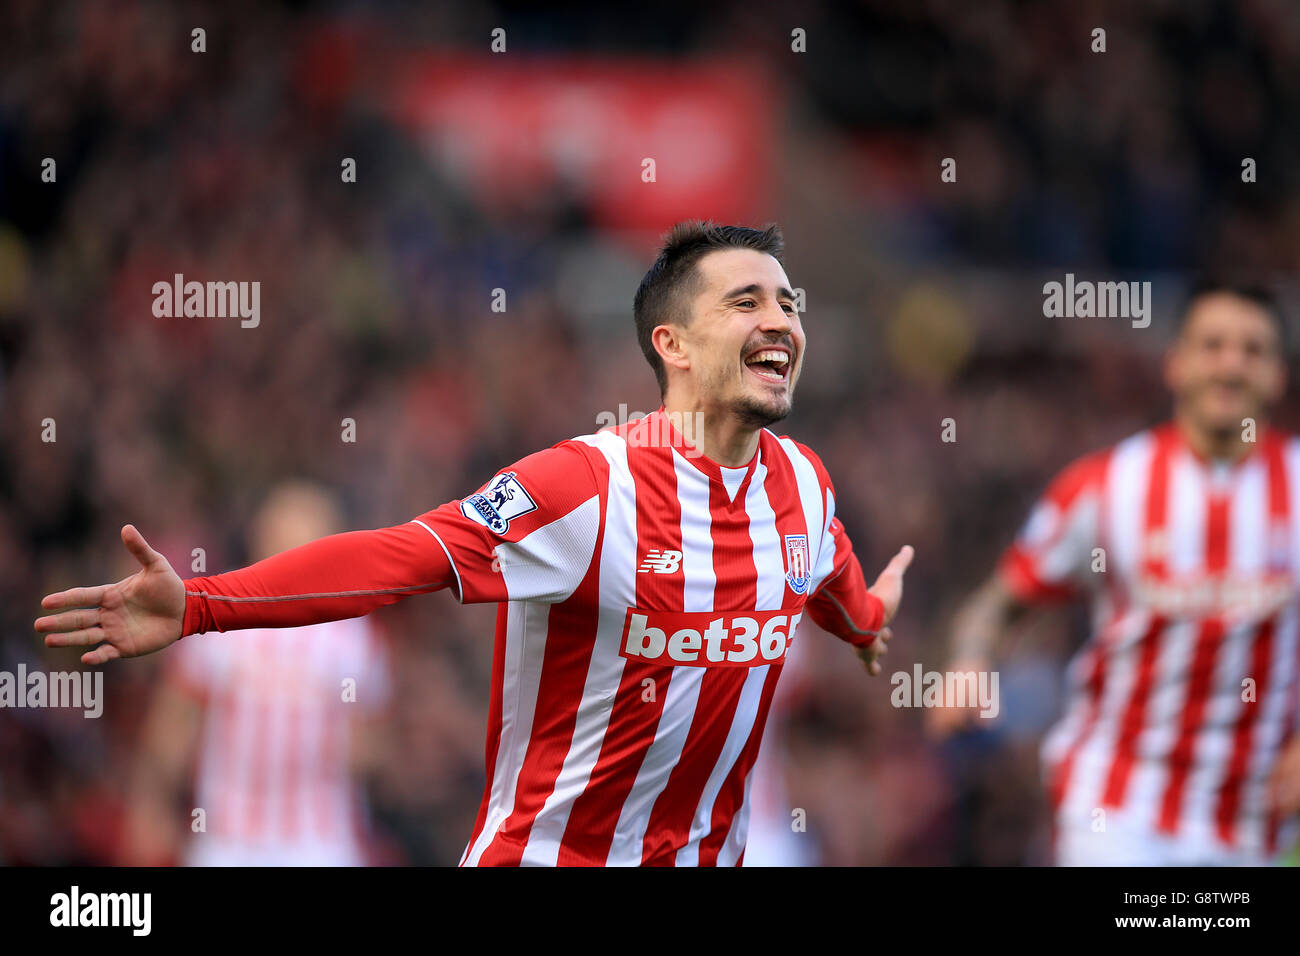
(647, 596)
(1178, 742)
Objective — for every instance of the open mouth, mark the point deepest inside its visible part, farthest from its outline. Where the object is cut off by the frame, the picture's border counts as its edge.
(1228, 390)
(771, 365)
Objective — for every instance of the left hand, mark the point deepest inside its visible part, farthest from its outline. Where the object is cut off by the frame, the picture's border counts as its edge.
(877, 649)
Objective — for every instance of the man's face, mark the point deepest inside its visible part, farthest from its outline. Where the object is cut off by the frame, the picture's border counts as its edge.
(1227, 364)
(744, 342)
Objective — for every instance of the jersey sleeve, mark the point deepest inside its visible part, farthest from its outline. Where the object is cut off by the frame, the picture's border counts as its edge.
(528, 534)
(1051, 557)
(843, 606)
(329, 579)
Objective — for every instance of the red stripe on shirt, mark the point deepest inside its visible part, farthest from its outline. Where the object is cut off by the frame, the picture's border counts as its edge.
(1095, 685)
(783, 493)
(633, 720)
(1274, 823)
(1156, 522)
(291, 795)
(1229, 800)
(720, 687)
(1208, 640)
(570, 642)
(259, 770)
(220, 731)
(1228, 804)
(494, 724)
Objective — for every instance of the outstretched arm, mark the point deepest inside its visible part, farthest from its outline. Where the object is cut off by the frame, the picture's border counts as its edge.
(982, 621)
(343, 575)
(978, 628)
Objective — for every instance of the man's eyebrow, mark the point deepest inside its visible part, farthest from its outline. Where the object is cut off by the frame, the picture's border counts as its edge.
(781, 293)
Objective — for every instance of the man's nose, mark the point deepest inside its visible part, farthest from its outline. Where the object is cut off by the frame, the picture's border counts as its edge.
(776, 319)
(1233, 360)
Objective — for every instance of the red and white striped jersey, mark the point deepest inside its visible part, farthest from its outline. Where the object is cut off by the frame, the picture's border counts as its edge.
(273, 764)
(649, 601)
(1187, 689)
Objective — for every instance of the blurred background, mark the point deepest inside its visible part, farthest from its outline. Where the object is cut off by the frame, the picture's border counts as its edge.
(522, 170)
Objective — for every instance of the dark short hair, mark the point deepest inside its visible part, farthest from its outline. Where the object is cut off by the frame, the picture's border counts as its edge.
(665, 293)
(1256, 293)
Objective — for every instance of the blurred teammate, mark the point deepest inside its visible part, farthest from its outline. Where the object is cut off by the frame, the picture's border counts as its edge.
(648, 585)
(276, 723)
(1178, 742)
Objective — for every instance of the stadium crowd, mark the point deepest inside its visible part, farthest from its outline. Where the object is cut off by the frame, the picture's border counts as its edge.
(924, 304)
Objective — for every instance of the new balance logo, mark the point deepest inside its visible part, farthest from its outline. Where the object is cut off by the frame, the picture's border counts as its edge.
(661, 562)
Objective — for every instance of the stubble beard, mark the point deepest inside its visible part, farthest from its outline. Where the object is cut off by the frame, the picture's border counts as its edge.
(757, 413)
(1223, 427)
(750, 410)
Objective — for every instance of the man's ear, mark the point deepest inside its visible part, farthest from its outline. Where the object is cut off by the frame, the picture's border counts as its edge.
(668, 342)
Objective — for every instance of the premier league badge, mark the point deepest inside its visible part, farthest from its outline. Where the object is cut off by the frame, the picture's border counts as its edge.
(797, 572)
(503, 500)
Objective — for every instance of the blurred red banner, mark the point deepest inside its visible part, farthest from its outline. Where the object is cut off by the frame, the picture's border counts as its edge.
(514, 128)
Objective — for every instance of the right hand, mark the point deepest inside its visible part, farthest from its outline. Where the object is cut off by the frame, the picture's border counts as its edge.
(138, 615)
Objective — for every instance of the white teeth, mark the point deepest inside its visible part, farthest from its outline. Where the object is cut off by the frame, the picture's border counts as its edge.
(770, 355)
